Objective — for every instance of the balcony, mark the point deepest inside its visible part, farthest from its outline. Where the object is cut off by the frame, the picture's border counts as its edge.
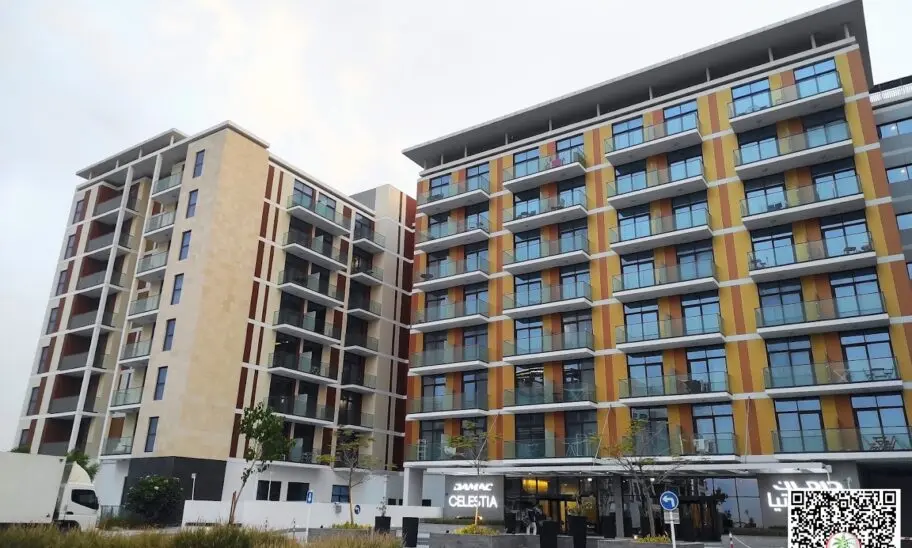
(547, 169)
(452, 233)
(126, 398)
(804, 318)
(364, 384)
(364, 309)
(550, 299)
(644, 234)
(758, 110)
(92, 284)
(136, 353)
(446, 274)
(802, 203)
(543, 254)
(448, 359)
(455, 195)
(79, 361)
(108, 212)
(100, 247)
(144, 311)
(814, 257)
(69, 404)
(318, 214)
(449, 316)
(884, 439)
(670, 333)
(314, 288)
(546, 211)
(167, 190)
(159, 228)
(833, 377)
(117, 446)
(447, 406)
(299, 410)
(316, 250)
(816, 146)
(84, 324)
(151, 267)
(367, 274)
(305, 326)
(56, 448)
(302, 367)
(706, 444)
(656, 139)
(368, 240)
(298, 455)
(549, 347)
(363, 422)
(679, 279)
(549, 398)
(551, 447)
(441, 451)
(648, 186)
(675, 389)
(361, 344)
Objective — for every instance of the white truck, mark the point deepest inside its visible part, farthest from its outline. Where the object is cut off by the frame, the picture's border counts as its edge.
(44, 489)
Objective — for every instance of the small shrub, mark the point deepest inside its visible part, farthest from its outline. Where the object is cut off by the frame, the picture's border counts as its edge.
(156, 500)
(350, 525)
(475, 530)
(357, 541)
(658, 539)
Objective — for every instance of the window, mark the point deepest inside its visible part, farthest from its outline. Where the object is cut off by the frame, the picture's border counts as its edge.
(191, 203)
(845, 234)
(475, 387)
(477, 177)
(476, 256)
(637, 270)
(33, 401)
(327, 205)
(268, 490)
(297, 491)
(528, 334)
(438, 186)
(690, 211)
(644, 372)
(431, 433)
(24, 441)
(177, 289)
(764, 195)
(834, 180)
(579, 375)
(892, 129)
(680, 118)
(694, 261)
(790, 363)
(433, 386)
(630, 177)
(364, 227)
(627, 134)
(641, 321)
(757, 145)
(577, 329)
(475, 341)
(573, 235)
(525, 163)
(899, 174)
(868, 356)
(476, 216)
(881, 422)
(856, 293)
(707, 369)
(800, 426)
(701, 313)
(70, 246)
(530, 428)
(169, 335)
(686, 163)
(570, 150)
(909, 270)
(781, 302)
(302, 194)
(475, 298)
(438, 225)
(160, 383)
(185, 246)
(198, 163)
(339, 493)
(529, 379)
(714, 425)
(571, 192)
(62, 279)
(816, 78)
(574, 282)
(44, 359)
(634, 222)
(825, 127)
(53, 318)
(653, 438)
(84, 497)
(527, 245)
(580, 427)
(772, 247)
(151, 434)
(904, 221)
(528, 289)
(434, 301)
(79, 210)
(526, 203)
(751, 97)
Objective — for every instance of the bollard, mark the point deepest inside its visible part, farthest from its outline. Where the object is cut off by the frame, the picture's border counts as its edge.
(731, 540)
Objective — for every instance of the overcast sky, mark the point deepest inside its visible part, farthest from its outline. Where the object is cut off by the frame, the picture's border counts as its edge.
(337, 87)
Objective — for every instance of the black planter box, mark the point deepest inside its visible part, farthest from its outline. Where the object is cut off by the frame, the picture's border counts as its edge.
(382, 524)
(576, 526)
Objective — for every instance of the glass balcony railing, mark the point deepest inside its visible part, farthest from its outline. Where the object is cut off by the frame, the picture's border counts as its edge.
(669, 328)
(816, 250)
(567, 157)
(452, 311)
(117, 446)
(452, 228)
(572, 340)
(757, 102)
(368, 234)
(836, 440)
(320, 244)
(299, 407)
(374, 272)
(549, 394)
(654, 441)
(161, 220)
(432, 450)
(689, 121)
(151, 262)
(321, 209)
(674, 385)
(299, 455)
(108, 205)
(359, 379)
(479, 182)
(782, 199)
(307, 322)
(684, 272)
(91, 280)
(849, 306)
(127, 396)
(771, 148)
(364, 341)
(89, 318)
(449, 354)
(313, 282)
(546, 205)
(364, 304)
(548, 294)
(74, 361)
(643, 227)
(167, 183)
(831, 372)
(136, 350)
(448, 402)
(141, 306)
(67, 404)
(541, 249)
(449, 268)
(303, 363)
(105, 240)
(364, 420)
(707, 443)
(642, 180)
(549, 446)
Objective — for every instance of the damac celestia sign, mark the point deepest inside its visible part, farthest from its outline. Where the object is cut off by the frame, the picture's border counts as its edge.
(473, 495)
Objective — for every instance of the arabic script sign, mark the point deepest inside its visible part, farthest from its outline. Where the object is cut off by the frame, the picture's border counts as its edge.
(780, 502)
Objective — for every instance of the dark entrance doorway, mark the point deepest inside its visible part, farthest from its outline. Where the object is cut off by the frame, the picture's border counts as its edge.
(700, 520)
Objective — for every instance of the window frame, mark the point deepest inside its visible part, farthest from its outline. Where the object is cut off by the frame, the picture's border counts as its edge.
(177, 289)
(198, 162)
(161, 377)
(151, 435)
(192, 198)
(184, 251)
(168, 339)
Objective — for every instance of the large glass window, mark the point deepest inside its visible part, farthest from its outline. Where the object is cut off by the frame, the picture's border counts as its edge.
(477, 177)
(525, 163)
(160, 380)
(580, 428)
(475, 298)
(630, 177)
(765, 194)
(526, 203)
(571, 192)
(652, 439)
(527, 245)
(528, 289)
(695, 260)
(856, 293)
(816, 78)
(800, 425)
(570, 150)
(70, 246)
(151, 434)
(633, 222)
(576, 328)
(892, 129)
(758, 144)
(899, 174)
(781, 302)
(790, 362)
(528, 335)
(302, 194)
(845, 234)
(868, 355)
(530, 435)
(645, 374)
(574, 281)
(751, 97)
(438, 185)
(475, 387)
(638, 270)
(573, 235)
(529, 378)
(475, 339)
(707, 367)
(685, 163)
(772, 247)
(476, 256)
(578, 375)
(825, 127)
(701, 313)
(434, 300)
(168, 341)
(835, 179)
(433, 386)
(641, 320)
(904, 221)
(627, 134)
(198, 163)
(184, 246)
(476, 216)
(714, 424)
(680, 117)
(881, 421)
(690, 210)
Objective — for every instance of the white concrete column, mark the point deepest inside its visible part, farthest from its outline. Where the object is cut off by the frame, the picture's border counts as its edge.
(413, 482)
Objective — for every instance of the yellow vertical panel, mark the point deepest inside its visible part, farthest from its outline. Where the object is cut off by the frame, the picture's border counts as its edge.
(598, 331)
(885, 279)
(509, 427)
(902, 350)
(907, 398)
(589, 149)
(775, 80)
(864, 175)
(853, 118)
(729, 144)
(601, 363)
(704, 115)
(765, 414)
(714, 200)
(828, 410)
(845, 74)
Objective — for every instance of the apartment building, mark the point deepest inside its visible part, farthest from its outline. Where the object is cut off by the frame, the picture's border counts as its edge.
(698, 263)
(201, 275)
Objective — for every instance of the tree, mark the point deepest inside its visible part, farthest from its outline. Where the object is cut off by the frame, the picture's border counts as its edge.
(264, 442)
(80, 458)
(354, 461)
(634, 455)
(156, 499)
(472, 445)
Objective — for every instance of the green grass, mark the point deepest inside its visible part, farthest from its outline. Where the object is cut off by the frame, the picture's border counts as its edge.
(475, 530)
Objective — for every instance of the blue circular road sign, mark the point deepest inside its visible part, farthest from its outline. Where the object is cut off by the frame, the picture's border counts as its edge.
(358, 508)
(668, 501)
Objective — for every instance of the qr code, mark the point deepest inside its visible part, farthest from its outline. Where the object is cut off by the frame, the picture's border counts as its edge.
(843, 518)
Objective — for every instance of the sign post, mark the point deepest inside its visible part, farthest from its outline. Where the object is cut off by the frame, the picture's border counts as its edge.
(309, 499)
(669, 502)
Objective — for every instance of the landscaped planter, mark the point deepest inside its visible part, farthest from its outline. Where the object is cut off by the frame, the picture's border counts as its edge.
(630, 543)
(382, 524)
(324, 532)
(444, 540)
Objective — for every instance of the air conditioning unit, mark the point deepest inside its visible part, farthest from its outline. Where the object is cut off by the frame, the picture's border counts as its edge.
(701, 445)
